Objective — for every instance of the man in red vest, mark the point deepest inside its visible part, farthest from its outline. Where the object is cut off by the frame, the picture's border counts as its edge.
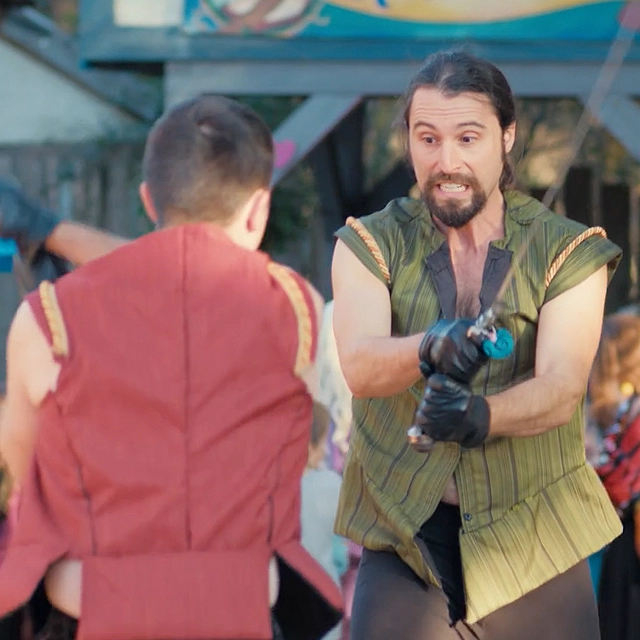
(158, 411)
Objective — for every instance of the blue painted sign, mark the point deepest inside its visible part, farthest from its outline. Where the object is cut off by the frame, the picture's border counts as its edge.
(503, 20)
(7, 250)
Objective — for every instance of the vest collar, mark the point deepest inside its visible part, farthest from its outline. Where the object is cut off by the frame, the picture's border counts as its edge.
(520, 210)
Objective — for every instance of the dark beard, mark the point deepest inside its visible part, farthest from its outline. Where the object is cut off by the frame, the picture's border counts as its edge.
(451, 212)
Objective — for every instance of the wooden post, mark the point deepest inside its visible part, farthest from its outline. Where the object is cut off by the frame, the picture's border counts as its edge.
(615, 218)
(577, 195)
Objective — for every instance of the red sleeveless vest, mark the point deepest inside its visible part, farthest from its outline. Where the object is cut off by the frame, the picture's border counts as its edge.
(169, 457)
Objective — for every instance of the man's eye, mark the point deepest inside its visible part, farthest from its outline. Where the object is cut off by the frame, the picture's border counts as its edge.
(468, 139)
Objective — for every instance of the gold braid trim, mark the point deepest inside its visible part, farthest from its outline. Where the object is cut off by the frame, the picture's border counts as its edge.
(372, 245)
(566, 252)
(51, 308)
(303, 315)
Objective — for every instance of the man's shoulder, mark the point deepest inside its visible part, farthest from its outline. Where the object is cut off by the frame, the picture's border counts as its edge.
(525, 210)
(398, 213)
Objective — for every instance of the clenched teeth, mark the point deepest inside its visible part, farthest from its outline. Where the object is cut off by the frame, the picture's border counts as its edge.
(452, 187)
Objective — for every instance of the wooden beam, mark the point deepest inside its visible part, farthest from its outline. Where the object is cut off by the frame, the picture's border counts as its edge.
(310, 123)
(304, 77)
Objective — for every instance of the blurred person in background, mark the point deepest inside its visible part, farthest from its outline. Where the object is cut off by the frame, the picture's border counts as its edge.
(10, 628)
(320, 493)
(614, 389)
(335, 394)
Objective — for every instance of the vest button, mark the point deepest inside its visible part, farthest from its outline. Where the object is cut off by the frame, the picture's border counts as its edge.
(467, 517)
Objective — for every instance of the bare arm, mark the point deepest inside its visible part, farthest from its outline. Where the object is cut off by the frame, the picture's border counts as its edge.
(31, 374)
(310, 376)
(79, 243)
(374, 363)
(568, 335)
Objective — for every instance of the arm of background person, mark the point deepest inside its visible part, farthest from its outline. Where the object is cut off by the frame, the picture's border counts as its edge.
(569, 330)
(374, 363)
(310, 376)
(31, 374)
(79, 243)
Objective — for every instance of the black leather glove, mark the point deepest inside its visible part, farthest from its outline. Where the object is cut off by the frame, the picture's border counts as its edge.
(446, 349)
(449, 412)
(24, 221)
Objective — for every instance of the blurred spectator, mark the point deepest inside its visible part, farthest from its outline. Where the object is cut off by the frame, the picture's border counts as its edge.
(615, 406)
(320, 492)
(336, 395)
(10, 628)
(334, 392)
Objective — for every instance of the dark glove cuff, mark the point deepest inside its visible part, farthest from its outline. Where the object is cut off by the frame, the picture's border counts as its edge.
(25, 221)
(426, 370)
(478, 417)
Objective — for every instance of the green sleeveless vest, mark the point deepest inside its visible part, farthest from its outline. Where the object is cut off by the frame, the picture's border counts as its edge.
(531, 507)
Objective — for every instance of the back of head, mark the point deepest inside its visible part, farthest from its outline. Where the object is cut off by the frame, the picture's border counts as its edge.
(616, 368)
(453, 72)
(204, 158)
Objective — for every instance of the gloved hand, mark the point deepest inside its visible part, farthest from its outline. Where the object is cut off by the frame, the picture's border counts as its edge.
(449, 412)
(446, 349)
(24, 221)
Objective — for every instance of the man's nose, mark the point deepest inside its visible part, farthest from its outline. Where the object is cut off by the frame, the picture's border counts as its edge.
(449, 160)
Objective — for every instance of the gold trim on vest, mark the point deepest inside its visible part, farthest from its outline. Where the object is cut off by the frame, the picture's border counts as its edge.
(372, 245)
(53, 314)
(304, 355)
(568, 250)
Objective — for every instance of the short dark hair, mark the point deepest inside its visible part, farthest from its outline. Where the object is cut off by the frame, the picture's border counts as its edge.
(454, 72)
(205, 157)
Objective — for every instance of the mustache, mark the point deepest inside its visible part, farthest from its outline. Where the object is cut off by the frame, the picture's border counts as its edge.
(454, 178)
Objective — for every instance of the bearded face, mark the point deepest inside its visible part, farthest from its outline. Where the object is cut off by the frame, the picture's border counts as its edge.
(442, 193)
(458, 150)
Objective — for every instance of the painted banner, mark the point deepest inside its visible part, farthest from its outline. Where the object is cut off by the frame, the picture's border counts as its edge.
(512, 20)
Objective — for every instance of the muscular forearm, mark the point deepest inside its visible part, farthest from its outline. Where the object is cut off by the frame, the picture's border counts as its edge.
(534, 406)
(80, 244)
(380, 367)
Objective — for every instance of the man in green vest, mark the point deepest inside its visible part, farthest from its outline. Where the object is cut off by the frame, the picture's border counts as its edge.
(485, 535)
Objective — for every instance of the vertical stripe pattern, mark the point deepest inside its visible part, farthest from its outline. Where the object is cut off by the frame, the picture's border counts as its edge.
(531, 506)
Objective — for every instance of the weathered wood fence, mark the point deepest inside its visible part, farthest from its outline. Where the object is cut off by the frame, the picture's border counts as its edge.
(93, 182)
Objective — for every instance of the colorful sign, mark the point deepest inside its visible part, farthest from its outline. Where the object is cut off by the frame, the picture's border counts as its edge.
(513, 20)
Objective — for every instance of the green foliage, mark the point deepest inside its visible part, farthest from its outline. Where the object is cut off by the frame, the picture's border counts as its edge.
(545, 132)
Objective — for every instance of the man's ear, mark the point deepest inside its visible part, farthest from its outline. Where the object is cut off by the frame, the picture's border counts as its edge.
(509, 137)
(147, 203)
(258, 210)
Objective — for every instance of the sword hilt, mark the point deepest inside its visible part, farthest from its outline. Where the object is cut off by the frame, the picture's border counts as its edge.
(494, 343)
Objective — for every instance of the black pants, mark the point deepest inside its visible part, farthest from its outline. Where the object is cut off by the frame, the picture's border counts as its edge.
(392, 603)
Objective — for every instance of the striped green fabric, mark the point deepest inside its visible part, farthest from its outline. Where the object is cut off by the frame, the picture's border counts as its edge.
(532, 508)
